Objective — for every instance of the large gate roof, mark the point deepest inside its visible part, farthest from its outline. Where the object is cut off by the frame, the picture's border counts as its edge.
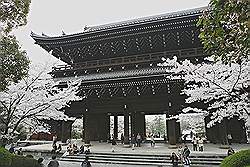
(165, 32)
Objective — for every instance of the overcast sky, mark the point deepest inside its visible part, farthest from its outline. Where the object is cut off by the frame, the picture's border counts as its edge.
(71, 16)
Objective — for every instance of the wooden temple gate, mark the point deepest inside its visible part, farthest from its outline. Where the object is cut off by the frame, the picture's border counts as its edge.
(118, 66)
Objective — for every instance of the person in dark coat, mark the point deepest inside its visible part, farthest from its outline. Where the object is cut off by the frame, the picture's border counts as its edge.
(230, 151)
(174, 160)
(186, 153)
(86, 162)
(40, 162)
(122, 138)
(12, 149)
(113, 143)
(133, 141)
(53, 162)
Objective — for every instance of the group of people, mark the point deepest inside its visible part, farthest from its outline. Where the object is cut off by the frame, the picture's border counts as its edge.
(182, 156)
(73, 149)
(136, 140)
(56, 149)
(15, 151)
(198, 144)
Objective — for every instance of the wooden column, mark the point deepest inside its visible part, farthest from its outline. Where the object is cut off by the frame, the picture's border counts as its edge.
(126, 126)
(115, 126)
(66, 130)
(87, 129)
(172, 132)
(138, 124)
(83, 127)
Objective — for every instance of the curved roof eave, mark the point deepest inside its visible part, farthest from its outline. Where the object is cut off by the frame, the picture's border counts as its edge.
(123, 24)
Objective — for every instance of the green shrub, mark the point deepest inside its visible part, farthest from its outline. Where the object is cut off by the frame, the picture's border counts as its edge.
(10, 160)
(5, 157)
(22, 161)
(239, 159)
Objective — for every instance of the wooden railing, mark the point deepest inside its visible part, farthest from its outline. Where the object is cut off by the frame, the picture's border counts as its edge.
(136, 59)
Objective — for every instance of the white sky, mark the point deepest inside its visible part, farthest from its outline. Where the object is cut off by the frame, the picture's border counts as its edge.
(71, 16)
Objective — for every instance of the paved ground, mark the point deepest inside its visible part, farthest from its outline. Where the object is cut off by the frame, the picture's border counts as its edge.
(160, 148)
(70, 164)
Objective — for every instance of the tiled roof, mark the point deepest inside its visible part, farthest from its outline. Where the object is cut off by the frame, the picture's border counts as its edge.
(138, 21)
(126, 74)
(148, 19)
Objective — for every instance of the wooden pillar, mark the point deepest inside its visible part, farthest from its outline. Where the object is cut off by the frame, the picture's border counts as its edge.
(138, 124)
(223, 132)
(66, 131)
(115, 126)
(133, 123)
(126, 126)
(87, 129)
(83, 128)
(172, 132)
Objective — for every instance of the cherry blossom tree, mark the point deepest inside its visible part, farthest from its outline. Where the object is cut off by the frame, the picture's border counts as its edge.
(32, 99)
(213, 88)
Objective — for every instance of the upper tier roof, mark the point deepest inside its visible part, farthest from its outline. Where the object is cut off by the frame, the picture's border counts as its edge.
(127, 23)
(147, 35)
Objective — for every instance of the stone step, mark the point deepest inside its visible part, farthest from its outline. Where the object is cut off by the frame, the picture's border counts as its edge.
(153, 157)
(142, 163)
(141, 159)
(156, 155)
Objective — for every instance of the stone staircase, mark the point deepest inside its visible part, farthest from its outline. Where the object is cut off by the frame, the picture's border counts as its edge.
(143, 159)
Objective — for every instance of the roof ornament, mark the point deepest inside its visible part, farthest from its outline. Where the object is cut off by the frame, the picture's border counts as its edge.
(44, 35)
(63, 33)
(86, 28)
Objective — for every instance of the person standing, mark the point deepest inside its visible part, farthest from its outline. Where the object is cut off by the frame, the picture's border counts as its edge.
(174, 159)
(138, 139)
(12, 148)
(86, 162)
(229, 138)
(40, 162)
(195, 142)
(53, 162)
(200, 144)
(54, 139)
(113, 143)
(122, 138)
(230, 151)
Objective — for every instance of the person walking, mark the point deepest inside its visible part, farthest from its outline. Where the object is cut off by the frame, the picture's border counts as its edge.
(174, 160)
(152, 140)
(195, 142)
(133, 141)
(180, 152)
(53, 162)
(186, 153)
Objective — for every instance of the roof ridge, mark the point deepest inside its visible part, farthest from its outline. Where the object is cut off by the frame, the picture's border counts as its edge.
(139, 20)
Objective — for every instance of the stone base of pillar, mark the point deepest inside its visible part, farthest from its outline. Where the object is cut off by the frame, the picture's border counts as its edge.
(172, 146)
